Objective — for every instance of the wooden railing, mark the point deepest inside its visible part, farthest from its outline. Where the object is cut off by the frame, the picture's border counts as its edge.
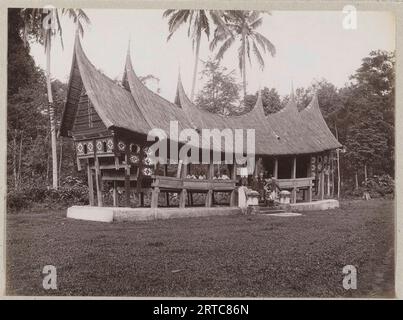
(297, 183)
(183, 185)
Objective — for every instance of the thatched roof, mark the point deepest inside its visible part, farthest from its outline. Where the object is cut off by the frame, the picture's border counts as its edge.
(139, 110)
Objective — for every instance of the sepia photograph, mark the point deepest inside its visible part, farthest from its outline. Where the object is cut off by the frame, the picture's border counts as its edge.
(202, 152)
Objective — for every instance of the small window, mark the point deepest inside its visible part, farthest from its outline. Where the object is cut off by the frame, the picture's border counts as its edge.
(85, 149)
(104, 146)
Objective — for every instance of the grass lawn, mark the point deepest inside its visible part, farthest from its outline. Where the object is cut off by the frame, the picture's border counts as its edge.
(253, 255)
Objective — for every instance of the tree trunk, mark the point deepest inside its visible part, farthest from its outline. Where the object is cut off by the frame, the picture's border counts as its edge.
(365, 172)
(60, 161)
(15, 160)
(244, 63)
(356, 180)
(196, 63)
(332, 172)
(338, 165)
(19, 161)
(51, 116)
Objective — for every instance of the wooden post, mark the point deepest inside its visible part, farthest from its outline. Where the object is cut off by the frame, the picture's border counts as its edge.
(182, 198)
(322, 184)
(154, 197)
(178, 172)
(309, 175)
(115, 194)
(183, 194)
(328, 180)
(127, 177)
(211, 171)
(293, 176)
(90, 184)
(98, 182)
(232, 201)
(275, 170)
(209, 198)
(210, 175)
(310, 192)
(332, 172)
(166, 193)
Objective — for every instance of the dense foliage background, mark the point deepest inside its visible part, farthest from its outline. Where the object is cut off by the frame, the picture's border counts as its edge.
(360, 114)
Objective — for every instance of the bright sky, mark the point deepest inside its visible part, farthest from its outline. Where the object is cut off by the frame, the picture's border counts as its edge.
(310, 45)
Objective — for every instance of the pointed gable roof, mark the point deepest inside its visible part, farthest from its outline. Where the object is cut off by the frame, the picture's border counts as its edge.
(114, 105)
(157, 111)
(316, 125)
(136, 108)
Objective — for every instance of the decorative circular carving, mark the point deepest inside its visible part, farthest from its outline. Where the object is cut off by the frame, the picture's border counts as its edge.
(90, 147)
(109, 145)
(134, 148)
(134, 159)
(80, 148)
(147, 151)
(148, 171)
(147, 161)
(100, 146)
(121, 146)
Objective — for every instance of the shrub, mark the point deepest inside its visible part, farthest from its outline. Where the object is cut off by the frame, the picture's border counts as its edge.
(71, 191)
(382, 186)
(379, 186)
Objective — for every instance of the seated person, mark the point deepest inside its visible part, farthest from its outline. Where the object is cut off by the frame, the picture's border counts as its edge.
(272, 188)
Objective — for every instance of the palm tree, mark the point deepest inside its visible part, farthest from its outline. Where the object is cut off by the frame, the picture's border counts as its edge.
(43, 25)
(242, 26)
(198, 23)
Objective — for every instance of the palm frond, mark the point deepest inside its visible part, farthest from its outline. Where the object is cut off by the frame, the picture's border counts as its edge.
(217, 17)
(265, 43)
(168, 12)
(225, 46)
(252, 15)
(256, 24)
(219, 36)
(177, 19)
(190, 21)
(258, 55)
(204, 23)
(83, 16)
(59, 28)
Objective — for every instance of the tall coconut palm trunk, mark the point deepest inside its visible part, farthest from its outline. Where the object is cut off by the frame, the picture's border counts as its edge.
(52, 117)
(196, 63)
(244, 61)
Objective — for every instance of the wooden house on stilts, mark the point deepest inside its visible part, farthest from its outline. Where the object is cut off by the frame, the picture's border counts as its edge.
(109, 123)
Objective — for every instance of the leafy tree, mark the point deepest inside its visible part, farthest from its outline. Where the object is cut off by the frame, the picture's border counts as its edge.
(367, 117)
(220, 93)
(28, 156)
(198, 23)
(148, 80)
(20, 66)
(242, 26)
(38, 24)
(270, 99)
(367, 138)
